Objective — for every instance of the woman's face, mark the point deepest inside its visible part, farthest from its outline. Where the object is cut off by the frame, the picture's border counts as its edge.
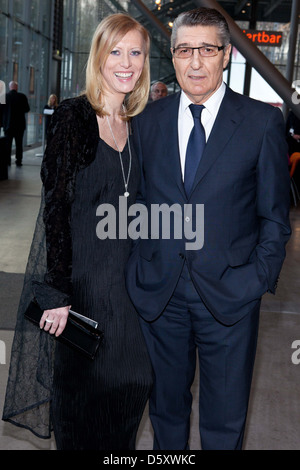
(52, 101)
(124, 64)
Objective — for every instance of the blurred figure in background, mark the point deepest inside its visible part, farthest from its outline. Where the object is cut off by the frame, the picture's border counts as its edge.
(50, 106)
(14, 122)
(293, 133)
(158, 90)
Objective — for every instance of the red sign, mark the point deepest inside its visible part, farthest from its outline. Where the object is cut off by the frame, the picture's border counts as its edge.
(264, 38)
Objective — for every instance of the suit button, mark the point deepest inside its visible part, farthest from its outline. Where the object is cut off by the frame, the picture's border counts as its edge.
(181, 255)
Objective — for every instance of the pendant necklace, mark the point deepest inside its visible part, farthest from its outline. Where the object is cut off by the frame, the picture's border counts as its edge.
(126, 181)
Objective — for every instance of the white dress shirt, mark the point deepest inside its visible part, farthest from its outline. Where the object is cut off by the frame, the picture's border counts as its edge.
(186, 120)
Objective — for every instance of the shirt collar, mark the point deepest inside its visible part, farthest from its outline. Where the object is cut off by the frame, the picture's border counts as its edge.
(212, 104)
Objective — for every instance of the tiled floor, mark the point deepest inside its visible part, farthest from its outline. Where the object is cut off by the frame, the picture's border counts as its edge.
(274, 414)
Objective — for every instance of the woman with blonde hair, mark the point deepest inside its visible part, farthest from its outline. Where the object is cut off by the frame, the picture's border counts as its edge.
(52, 102)
(50, 107)
(89, 161)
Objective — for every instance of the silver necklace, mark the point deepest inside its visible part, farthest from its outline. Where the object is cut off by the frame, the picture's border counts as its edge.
(126, 180)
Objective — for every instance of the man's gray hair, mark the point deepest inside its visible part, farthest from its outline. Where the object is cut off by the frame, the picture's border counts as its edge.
(202, 17)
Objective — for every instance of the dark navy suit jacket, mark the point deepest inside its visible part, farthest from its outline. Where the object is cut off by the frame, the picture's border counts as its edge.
(243, 184)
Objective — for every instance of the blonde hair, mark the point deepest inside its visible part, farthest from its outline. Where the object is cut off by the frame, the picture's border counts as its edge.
(50, 99)
(108, 33)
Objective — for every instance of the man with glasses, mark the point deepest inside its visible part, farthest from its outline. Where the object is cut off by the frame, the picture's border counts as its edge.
(209, 146)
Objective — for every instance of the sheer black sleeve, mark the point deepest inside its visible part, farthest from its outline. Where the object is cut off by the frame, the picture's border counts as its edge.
(58, 174)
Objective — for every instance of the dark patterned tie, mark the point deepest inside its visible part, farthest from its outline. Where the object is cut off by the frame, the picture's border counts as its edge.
(194, 149)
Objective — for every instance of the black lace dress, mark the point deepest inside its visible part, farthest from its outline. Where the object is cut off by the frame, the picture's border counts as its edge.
(95, 405)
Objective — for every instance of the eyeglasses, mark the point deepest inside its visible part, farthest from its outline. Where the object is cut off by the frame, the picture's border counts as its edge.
(204, 51)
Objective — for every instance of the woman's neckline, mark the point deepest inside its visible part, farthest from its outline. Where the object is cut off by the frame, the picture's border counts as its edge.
(112, 148)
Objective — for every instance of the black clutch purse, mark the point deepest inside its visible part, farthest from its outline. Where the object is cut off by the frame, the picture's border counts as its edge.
(80, 333)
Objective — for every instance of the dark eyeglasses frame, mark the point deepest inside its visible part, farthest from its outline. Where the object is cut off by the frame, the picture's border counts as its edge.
(220, 48)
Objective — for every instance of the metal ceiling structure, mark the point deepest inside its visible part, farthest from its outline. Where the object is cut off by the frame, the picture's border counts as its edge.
(267, 10)
(239, 10)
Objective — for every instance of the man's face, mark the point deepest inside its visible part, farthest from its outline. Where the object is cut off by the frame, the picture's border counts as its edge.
(159, 90)
(199, 77)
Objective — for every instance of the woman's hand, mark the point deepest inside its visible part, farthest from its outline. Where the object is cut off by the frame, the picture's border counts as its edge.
(55, 320)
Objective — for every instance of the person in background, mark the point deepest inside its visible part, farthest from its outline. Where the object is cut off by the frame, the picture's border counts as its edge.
(293, 133)
(50, 106)
(158, 90)
(14, 121)
(89, 161)
(218, 160)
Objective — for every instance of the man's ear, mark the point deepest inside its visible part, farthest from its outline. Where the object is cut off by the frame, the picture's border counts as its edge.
(227, 53)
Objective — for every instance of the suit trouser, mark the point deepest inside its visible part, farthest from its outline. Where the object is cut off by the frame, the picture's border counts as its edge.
(18, 136)
(226, 358)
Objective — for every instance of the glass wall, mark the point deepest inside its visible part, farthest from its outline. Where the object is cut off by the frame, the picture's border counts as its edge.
(81, 18)
(277, 55)
(25, 30)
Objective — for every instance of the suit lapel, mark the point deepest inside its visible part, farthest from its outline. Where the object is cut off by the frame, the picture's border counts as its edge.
(226, 123)
(168, 123)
